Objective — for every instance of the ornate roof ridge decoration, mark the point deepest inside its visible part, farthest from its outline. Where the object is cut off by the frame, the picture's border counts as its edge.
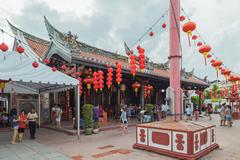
(70, 41)
(186, 74)
(27, 35)
(161, 66)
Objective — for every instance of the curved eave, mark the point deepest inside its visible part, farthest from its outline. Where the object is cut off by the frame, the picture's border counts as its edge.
(35, 47)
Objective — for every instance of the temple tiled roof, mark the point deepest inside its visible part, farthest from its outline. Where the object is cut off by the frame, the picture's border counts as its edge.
(40, 47)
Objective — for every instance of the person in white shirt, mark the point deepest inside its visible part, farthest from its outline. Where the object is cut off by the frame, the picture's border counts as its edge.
(58, 115)
(164, 110)
(188, 112)
(32, 118)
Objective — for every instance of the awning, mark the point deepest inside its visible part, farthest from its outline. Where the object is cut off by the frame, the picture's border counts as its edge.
(18, 68)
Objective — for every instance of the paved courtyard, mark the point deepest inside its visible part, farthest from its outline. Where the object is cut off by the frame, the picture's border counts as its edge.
(108, 145)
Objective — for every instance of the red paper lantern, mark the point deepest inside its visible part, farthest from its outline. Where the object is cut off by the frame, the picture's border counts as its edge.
(151, 34)
(80, 85)
(35, 65)
(150, 88)
(164, 25)
(95, 81)
(204, 50)
(188, 28)
(63, 67)
(88, 81)
(133, 64)
(145, 91)
(217, 64)
(54, 69)
(46, 61)
(209, 56)
(199, 44)
(226, 72)
(141, 57)
(194, 37)
(109, 77)
(20, 49)
(118, 73)
(136, 86)
(73, 68)
(100, 80)
(182, 18)
(3, 47)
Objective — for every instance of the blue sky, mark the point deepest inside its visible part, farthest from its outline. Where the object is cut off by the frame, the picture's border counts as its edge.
(107, 23)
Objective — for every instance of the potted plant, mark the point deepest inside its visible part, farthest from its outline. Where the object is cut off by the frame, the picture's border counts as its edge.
(88, 118)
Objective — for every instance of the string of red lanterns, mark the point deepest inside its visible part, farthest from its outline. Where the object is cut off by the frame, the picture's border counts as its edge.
(133, 65)
(100, 80)
(118, 73)
(109, 76)
(141, 57)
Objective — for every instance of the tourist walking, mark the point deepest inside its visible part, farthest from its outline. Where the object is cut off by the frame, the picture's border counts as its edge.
(196, 111)
(189, 112)
(22, 125)
(124, 121)
(32, 118)
(58, 116)
(53, 115)
(14, 124)
(228, 113)
(223, 115)
(210, 111)
(96, 115)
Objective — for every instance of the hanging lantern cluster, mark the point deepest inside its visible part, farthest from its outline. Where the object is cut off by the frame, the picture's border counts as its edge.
(80, 85)
(204, 50)
(88, 81)
(217, 64)
(109, 76)
(149, 90)
(135, 87)
(100, 80)
(133, 65)
(95, 81)
(188, 28)
(118, 73)
(141, 57)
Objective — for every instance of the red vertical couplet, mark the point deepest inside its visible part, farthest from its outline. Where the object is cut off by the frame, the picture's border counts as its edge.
(174, 55)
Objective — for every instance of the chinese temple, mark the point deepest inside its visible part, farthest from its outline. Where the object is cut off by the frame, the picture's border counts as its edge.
(78, 59)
